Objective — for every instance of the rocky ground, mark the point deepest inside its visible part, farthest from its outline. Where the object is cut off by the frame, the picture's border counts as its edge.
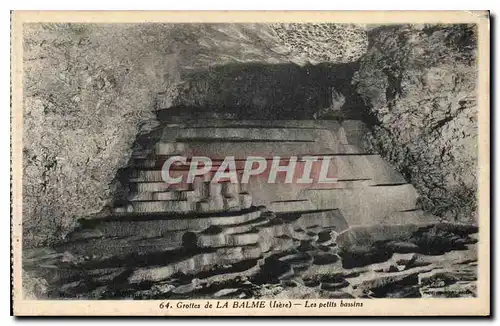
(259, 255)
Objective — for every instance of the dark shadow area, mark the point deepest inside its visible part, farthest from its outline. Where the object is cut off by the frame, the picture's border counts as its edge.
(264, 91)
(430, 240)
(143, 144)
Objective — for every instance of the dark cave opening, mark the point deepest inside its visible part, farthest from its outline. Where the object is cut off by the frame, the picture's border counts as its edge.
(256, 91)
(267, 91)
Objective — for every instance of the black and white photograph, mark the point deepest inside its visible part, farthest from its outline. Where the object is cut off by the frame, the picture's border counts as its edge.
(289, 164)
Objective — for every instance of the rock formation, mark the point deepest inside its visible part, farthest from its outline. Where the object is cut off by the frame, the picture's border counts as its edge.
(90, 89)
(268, 256)
(319, 43)
(104, 106)
(420, 85)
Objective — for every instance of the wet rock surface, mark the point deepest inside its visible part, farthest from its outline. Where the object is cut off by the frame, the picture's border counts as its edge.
(358, 263)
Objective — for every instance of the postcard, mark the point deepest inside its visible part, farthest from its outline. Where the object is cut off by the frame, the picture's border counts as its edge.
(250, 163)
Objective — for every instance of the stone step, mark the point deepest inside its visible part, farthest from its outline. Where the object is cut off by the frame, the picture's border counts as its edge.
(210, 205)
(192, 204)
(196, 264)
(228, 240)
(167, 115)
(153, 226)
(93, 237)
(350, 131)
(241, 150)
(344, 167)
(149, 186)
(118, 247)
(256, 123)
(231, 203)
(264, 232)
(141, 196)
(158, 162)
(231, 195)
(155, 176)
(299, 260)
(249, 123)
(166, 206)
(246, 200)
(373, 167)
(351, 171)
(189, 195)
(383, 173)
(172, 195)
(282, 243)
(325, 219)
(243, 227)
(298, 205)
(152, 176)
(367, 205)
(217, 197)
(232, 134)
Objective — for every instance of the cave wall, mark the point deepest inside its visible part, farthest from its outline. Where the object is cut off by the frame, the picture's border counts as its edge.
(420, 84)
(87, 92)
(90, 90)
